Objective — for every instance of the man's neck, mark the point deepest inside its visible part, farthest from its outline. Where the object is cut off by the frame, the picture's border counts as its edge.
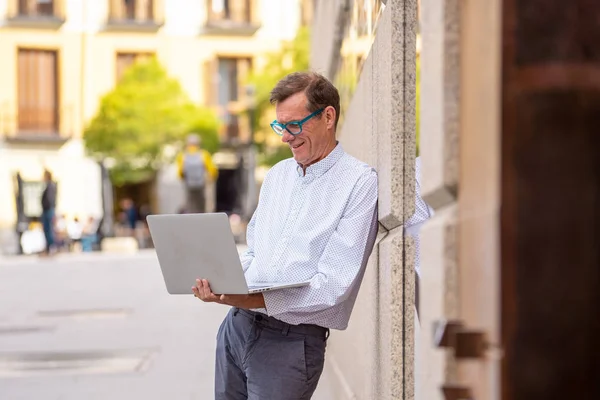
(327, 152)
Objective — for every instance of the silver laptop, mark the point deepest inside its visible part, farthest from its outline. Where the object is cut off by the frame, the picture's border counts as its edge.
(192, 246)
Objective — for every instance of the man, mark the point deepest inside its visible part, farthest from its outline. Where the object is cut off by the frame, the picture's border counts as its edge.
(48, 208)
(316, 219)
(194, 164)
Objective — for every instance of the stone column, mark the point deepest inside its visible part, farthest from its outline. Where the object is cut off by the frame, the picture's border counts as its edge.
(394, 92)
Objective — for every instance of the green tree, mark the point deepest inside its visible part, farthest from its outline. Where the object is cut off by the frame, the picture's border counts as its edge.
(293, 56)
(146, 112)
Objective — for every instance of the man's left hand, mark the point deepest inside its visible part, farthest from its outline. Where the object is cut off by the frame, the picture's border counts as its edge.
(247, 301)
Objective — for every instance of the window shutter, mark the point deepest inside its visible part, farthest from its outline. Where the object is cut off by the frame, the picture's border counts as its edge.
(38, 92)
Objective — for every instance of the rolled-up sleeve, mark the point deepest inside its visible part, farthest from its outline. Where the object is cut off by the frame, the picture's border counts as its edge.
(341, 263)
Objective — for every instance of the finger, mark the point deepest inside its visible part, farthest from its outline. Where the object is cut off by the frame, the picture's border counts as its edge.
(195, 291)
(207, 291)
(200, 288)
(204, 292)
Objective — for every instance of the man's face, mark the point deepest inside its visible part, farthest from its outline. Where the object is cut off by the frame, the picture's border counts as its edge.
(314, 143)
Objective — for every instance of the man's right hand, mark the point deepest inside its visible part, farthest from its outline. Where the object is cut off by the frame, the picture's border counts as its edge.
(203, 292)
(247, 301)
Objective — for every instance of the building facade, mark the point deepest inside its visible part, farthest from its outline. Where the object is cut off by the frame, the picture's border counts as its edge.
(508, 287)
(59, 57)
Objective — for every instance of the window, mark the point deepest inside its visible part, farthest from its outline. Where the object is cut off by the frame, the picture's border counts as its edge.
(126, 60)
(36, 7)
(132, 10)
(37, 92)
(239, 11)
(231, 73)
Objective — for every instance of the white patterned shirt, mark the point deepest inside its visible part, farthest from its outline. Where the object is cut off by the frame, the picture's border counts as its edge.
(319, 227)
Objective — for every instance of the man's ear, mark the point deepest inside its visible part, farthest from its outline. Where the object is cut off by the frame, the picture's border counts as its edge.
(330, 116)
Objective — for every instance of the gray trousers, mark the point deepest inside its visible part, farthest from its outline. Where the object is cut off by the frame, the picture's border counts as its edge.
(262, 358)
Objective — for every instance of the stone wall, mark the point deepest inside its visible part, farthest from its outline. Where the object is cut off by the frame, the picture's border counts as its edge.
(374, 357)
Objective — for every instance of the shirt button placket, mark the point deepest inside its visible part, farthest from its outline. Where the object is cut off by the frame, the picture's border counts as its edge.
(290, 222)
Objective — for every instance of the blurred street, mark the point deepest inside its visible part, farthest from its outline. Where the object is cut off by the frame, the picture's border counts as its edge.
(102, 326)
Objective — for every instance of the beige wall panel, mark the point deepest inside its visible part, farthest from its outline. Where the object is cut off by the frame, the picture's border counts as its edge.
(436, 272)
(357, 134)
(440, 95)
(479, 199)
(323, 35)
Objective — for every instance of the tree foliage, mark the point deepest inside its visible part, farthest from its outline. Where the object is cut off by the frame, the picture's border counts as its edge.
(145, 113)
(293, 56)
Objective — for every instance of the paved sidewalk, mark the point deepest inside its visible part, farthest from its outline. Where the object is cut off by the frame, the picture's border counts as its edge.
(101, 326)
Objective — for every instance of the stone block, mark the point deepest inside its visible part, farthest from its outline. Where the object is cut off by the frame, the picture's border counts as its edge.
(119, 245)
(396, 316)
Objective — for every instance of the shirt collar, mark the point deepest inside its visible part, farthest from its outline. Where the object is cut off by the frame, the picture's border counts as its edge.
(319, 168)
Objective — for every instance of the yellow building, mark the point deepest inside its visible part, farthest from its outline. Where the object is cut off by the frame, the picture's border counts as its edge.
(59, 57)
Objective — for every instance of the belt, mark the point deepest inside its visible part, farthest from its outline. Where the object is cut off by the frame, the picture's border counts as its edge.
(285, 328)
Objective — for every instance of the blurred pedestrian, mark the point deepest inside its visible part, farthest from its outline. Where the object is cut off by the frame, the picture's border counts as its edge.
(196, 169)
(89, 236)
(131, 215)
(74, 231)
(61, 237)
(48, 211)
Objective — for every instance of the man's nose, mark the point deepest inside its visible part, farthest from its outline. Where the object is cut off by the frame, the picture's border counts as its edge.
(286, 137)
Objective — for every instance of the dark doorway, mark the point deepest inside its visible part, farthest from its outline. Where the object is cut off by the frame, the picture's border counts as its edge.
(229, 191)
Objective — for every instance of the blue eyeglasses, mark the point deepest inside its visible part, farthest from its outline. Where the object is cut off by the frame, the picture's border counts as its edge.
(293, 127)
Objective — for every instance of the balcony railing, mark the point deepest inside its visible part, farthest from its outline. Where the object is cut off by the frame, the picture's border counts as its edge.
(36, 13)
(139, 15)
(232, 17)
